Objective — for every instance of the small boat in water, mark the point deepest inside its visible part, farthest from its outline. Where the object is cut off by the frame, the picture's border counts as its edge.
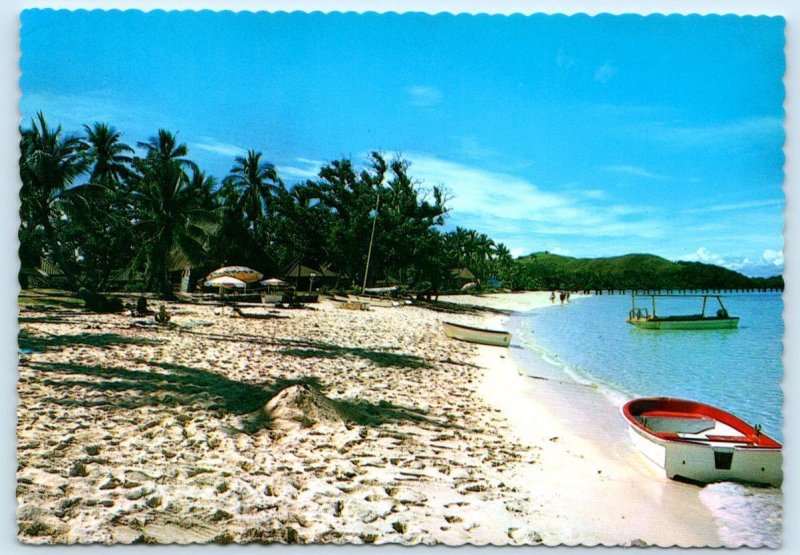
(477, 335)
(642, 318)
(701, 443)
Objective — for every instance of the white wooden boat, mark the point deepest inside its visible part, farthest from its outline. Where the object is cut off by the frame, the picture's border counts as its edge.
(701, 443)
(477, 335)
(372, 301)
(644, 319)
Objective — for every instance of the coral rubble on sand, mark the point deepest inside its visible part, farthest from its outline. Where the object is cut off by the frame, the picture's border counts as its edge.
(327, 426)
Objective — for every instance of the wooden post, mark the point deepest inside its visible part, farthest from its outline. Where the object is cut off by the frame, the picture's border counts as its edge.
(371, 237)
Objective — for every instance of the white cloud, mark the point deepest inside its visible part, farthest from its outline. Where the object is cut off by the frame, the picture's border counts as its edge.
(633, 170)
(605, 73)
(595, 194)
(770, 263)
(516, 252)
(471, 148)
(770, 256)
(310, 162)
(747, 205)
(305, 168)
(73, 111)
(218, 147)
(423, 96)
(704, 255)
(746, 131)
(487, 199)
(295, 173)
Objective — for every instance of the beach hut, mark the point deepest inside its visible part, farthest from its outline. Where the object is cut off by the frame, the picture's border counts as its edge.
(305, 277)
(459, 277)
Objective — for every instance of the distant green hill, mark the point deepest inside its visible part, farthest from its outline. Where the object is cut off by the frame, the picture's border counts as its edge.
(544, 270)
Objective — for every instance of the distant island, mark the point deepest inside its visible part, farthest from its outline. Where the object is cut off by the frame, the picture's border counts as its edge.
(544, 270)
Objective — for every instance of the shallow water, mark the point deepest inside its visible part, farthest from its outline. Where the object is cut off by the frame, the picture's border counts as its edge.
(738, 370)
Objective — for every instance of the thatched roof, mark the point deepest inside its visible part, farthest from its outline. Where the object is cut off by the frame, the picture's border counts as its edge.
(305, 271)
(462, 273)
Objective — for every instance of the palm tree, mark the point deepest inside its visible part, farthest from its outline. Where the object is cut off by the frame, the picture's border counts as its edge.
(255, 183)
(164, 148)
(502, 262)
(50, 163)
(110, 158)
(170, 215)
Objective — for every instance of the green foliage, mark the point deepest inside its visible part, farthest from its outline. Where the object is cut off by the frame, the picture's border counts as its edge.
(633, 271)
(98, 211)
(170, 218)
(50, 163)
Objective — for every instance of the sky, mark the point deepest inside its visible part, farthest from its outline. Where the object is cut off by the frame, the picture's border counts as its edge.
(584, 136)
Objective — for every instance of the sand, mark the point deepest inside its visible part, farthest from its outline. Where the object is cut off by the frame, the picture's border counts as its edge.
(319, 425)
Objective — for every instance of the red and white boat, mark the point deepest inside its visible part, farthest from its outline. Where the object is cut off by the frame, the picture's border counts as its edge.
(701, 443)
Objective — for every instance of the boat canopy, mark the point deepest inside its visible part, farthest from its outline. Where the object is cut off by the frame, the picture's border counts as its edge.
(723, 312)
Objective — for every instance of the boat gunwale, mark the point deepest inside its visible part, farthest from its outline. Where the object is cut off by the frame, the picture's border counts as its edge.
(685, 318)
(472, 328)
(754, 440)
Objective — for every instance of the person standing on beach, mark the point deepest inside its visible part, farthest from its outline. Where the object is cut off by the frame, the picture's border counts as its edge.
(553, 297)
(562, 296)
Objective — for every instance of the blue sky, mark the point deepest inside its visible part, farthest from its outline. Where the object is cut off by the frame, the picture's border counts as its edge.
(587, 136)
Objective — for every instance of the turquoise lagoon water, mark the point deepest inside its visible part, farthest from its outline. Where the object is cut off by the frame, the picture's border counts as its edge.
(737, 370)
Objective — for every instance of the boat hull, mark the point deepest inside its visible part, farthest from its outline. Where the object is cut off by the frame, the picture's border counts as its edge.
(698, 324)
(477, 335)
(692, 455)
(373, 301)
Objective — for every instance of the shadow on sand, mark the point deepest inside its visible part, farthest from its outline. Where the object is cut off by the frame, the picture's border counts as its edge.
(319, 349)
(171, 385)
(316, 349)
(52, 342)
(457, 308)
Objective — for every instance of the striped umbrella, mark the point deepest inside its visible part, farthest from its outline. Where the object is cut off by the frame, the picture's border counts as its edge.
(225, 281)
(243, 273)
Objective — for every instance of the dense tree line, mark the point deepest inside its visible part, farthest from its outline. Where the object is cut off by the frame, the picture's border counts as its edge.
(96, 207)
(543, 271)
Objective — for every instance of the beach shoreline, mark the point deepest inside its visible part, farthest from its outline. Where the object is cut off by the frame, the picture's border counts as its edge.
(132, 432)
(590, 473)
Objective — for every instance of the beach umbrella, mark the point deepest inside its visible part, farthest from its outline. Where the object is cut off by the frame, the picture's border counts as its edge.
(227, 282)
(243, 273)
(273, 281)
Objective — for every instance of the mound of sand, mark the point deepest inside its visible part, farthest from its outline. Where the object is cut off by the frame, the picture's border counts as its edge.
(301, 406)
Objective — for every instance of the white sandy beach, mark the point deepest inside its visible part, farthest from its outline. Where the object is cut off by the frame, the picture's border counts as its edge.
(589, 474)
(133, 432)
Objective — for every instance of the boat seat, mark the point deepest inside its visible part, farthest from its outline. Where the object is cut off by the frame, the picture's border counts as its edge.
(730, 439)
(671, 414)
(676, 422)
